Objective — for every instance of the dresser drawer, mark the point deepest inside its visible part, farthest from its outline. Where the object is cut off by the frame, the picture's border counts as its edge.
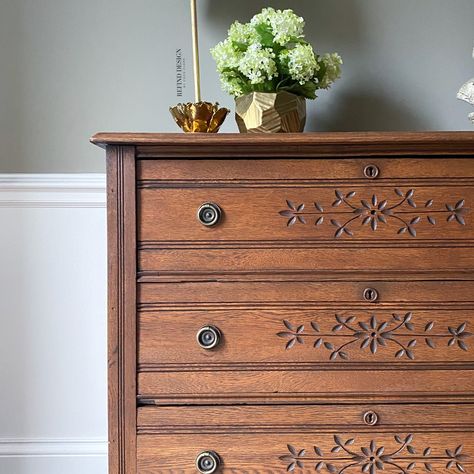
(318, 200)
(302, 340)
(370, 438)
(205, 262)
(342, 295)
(325, 213)
(287, 338)
(301, 385)
(151, 172)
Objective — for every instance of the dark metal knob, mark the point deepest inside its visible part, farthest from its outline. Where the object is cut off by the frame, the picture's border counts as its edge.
(371, 295)
(371, 171)
(370, 418)
(208, 337)
(208, 462)
(209, 214)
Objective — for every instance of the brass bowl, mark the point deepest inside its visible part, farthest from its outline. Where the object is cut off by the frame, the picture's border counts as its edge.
(199, 117)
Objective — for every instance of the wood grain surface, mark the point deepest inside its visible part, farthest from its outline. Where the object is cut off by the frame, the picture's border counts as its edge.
(307, 263)
(283, 172)
(334, 213)
(122, 340)
(310, 385)
(158, 145)
(280, 338)
(304, 418)
(342, 295)
(247, 453)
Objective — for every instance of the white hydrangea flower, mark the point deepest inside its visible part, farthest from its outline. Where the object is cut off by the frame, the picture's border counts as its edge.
(302, 64)
(263, 17)
(333, 63)
(285, 24)
(243, 33)
(225, 55)
(258, 64)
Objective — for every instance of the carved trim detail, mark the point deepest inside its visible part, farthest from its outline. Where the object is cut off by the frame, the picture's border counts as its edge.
(121, 309)
(374, 458)
(398, 331)
(345, 211)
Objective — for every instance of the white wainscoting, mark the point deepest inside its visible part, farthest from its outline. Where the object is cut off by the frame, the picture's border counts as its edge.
(53, 385)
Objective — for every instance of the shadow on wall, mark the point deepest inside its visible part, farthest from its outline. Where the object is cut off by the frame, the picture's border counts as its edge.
(334, 26)
(328, 18)
(362, 110)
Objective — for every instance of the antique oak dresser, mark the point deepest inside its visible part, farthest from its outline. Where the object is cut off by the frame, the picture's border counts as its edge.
(299, 303)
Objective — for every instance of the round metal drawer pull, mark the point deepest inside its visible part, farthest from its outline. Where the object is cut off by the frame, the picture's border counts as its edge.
(371, 418)
(370, 294)
(208, 462)
(209, 214)
(371, 171)
(209, 337)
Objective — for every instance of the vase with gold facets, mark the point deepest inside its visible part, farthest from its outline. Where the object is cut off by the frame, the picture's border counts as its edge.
(270, 112)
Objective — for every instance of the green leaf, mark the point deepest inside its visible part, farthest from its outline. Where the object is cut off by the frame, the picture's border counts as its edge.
(240, 46)
(266, 35)
(307, 90)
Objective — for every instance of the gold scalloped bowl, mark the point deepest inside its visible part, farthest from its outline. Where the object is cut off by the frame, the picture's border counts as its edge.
(200, 117)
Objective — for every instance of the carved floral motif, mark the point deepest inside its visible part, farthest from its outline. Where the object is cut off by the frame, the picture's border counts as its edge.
(373, 458)
(346, 210)
(399, 331)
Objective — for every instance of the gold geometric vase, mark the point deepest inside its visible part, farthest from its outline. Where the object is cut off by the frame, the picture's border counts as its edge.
(266, 112)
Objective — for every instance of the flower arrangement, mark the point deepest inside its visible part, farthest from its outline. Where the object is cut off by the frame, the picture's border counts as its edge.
(270, 54)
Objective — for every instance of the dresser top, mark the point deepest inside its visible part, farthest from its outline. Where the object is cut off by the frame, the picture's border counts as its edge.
(292, 145)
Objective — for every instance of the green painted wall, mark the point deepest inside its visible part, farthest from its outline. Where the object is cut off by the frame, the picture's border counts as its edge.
(70, 68)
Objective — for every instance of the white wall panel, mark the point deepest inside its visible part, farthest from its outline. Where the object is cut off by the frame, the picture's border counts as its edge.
(53, 324)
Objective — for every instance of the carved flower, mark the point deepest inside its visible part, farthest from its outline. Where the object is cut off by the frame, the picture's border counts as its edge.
(373, 334)
(459, 334)
(294, 458)
(456, 458)
(374, 212)
(293, 213)
(372, 458)
(457, 211)
(294, 334)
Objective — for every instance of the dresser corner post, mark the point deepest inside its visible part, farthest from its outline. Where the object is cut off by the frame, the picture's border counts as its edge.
(121, 230)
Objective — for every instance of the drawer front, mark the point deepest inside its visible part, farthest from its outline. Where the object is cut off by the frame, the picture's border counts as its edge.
(201, 263)
(327, 212)
(411, 438)
(321, 200)
(342, 295)
(306, 340)
(152, 172)
(305, 385)
(281, 338)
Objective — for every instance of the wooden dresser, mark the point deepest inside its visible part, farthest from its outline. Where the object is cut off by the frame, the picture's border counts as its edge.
(299, 303)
